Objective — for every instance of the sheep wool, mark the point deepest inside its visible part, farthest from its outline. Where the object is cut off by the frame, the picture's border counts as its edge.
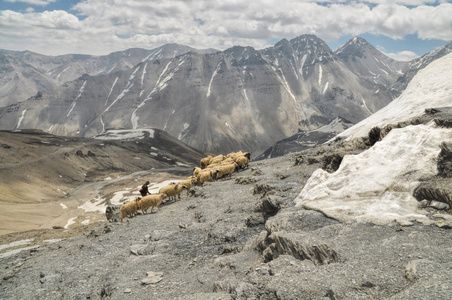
(172, 190)
(226, 171)
(129, 209)
(205, 162)
(189, 183)
(151, 201)
(208, 175)
(217, 159)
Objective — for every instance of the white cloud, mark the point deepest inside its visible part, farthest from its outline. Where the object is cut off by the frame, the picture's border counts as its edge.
(32, 2)
(100, 27)
(403, 55)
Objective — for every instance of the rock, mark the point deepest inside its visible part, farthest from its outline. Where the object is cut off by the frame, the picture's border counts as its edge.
(142, 249)
(152, 278)
(262, 189)
(255, 219)
(374, 136)
(127, 291)
(445, 160)
(269, 206)
(245, 180)
(288, 244)
(112, 213)
(298, 160)
(331, 163)
(439, 190)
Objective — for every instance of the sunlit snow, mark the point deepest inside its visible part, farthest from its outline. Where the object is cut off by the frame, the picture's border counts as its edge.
(21, 118)
(377, 185)
(78, 96)
(125, 134)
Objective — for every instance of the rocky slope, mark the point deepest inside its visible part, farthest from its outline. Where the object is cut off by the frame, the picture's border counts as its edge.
(242, 238)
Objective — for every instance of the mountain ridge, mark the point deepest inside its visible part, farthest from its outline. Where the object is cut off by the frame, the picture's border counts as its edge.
(240, 98)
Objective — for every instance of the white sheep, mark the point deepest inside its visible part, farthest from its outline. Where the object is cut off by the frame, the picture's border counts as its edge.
(129, 209)
(172, 190)
(151, 201)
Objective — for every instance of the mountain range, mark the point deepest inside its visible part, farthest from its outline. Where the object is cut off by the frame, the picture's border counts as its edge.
(363, 216)
(217, 101)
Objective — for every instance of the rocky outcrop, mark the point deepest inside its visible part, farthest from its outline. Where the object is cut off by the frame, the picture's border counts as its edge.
(439, 188)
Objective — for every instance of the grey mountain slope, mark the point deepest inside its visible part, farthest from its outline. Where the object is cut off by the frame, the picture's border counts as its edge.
(305, 139)
(56, 70)
(19, 80)
(224, 101)
(419, 63)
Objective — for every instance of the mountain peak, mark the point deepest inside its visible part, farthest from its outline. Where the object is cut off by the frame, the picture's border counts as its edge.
(357, 46)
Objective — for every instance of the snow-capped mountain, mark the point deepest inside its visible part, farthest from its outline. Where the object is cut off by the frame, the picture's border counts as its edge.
(239, 98)
(25, 73)
(378, 184)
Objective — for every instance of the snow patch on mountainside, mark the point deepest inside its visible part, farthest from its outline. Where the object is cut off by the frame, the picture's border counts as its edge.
(377, 185)
(76, 98)
(125, 134)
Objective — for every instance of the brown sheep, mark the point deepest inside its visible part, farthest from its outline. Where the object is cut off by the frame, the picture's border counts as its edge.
(151, 201)
(204, 176)
(217, 159)
(173, 190)
(196, 171)
(189, 183)
(129, 209)
(205, 162)
(242, 161)
(226, 170)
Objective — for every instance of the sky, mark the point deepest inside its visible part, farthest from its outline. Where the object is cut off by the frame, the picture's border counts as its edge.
(402, 29)
(377, 185)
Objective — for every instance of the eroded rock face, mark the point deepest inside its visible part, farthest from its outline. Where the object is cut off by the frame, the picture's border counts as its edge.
(439, 189)
(445, 160)
(288, 244)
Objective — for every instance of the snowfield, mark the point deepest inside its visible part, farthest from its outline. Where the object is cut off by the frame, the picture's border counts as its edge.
(377, 185)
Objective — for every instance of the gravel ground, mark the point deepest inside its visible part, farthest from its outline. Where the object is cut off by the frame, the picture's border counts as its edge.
(239, 238)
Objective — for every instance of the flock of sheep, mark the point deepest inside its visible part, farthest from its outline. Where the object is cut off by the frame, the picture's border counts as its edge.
(211, 168)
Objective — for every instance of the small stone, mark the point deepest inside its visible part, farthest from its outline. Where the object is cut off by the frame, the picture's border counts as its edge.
(152, 278)
(127, 291)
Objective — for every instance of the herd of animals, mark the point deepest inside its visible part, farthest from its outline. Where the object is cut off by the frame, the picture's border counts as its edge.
(210, 169)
